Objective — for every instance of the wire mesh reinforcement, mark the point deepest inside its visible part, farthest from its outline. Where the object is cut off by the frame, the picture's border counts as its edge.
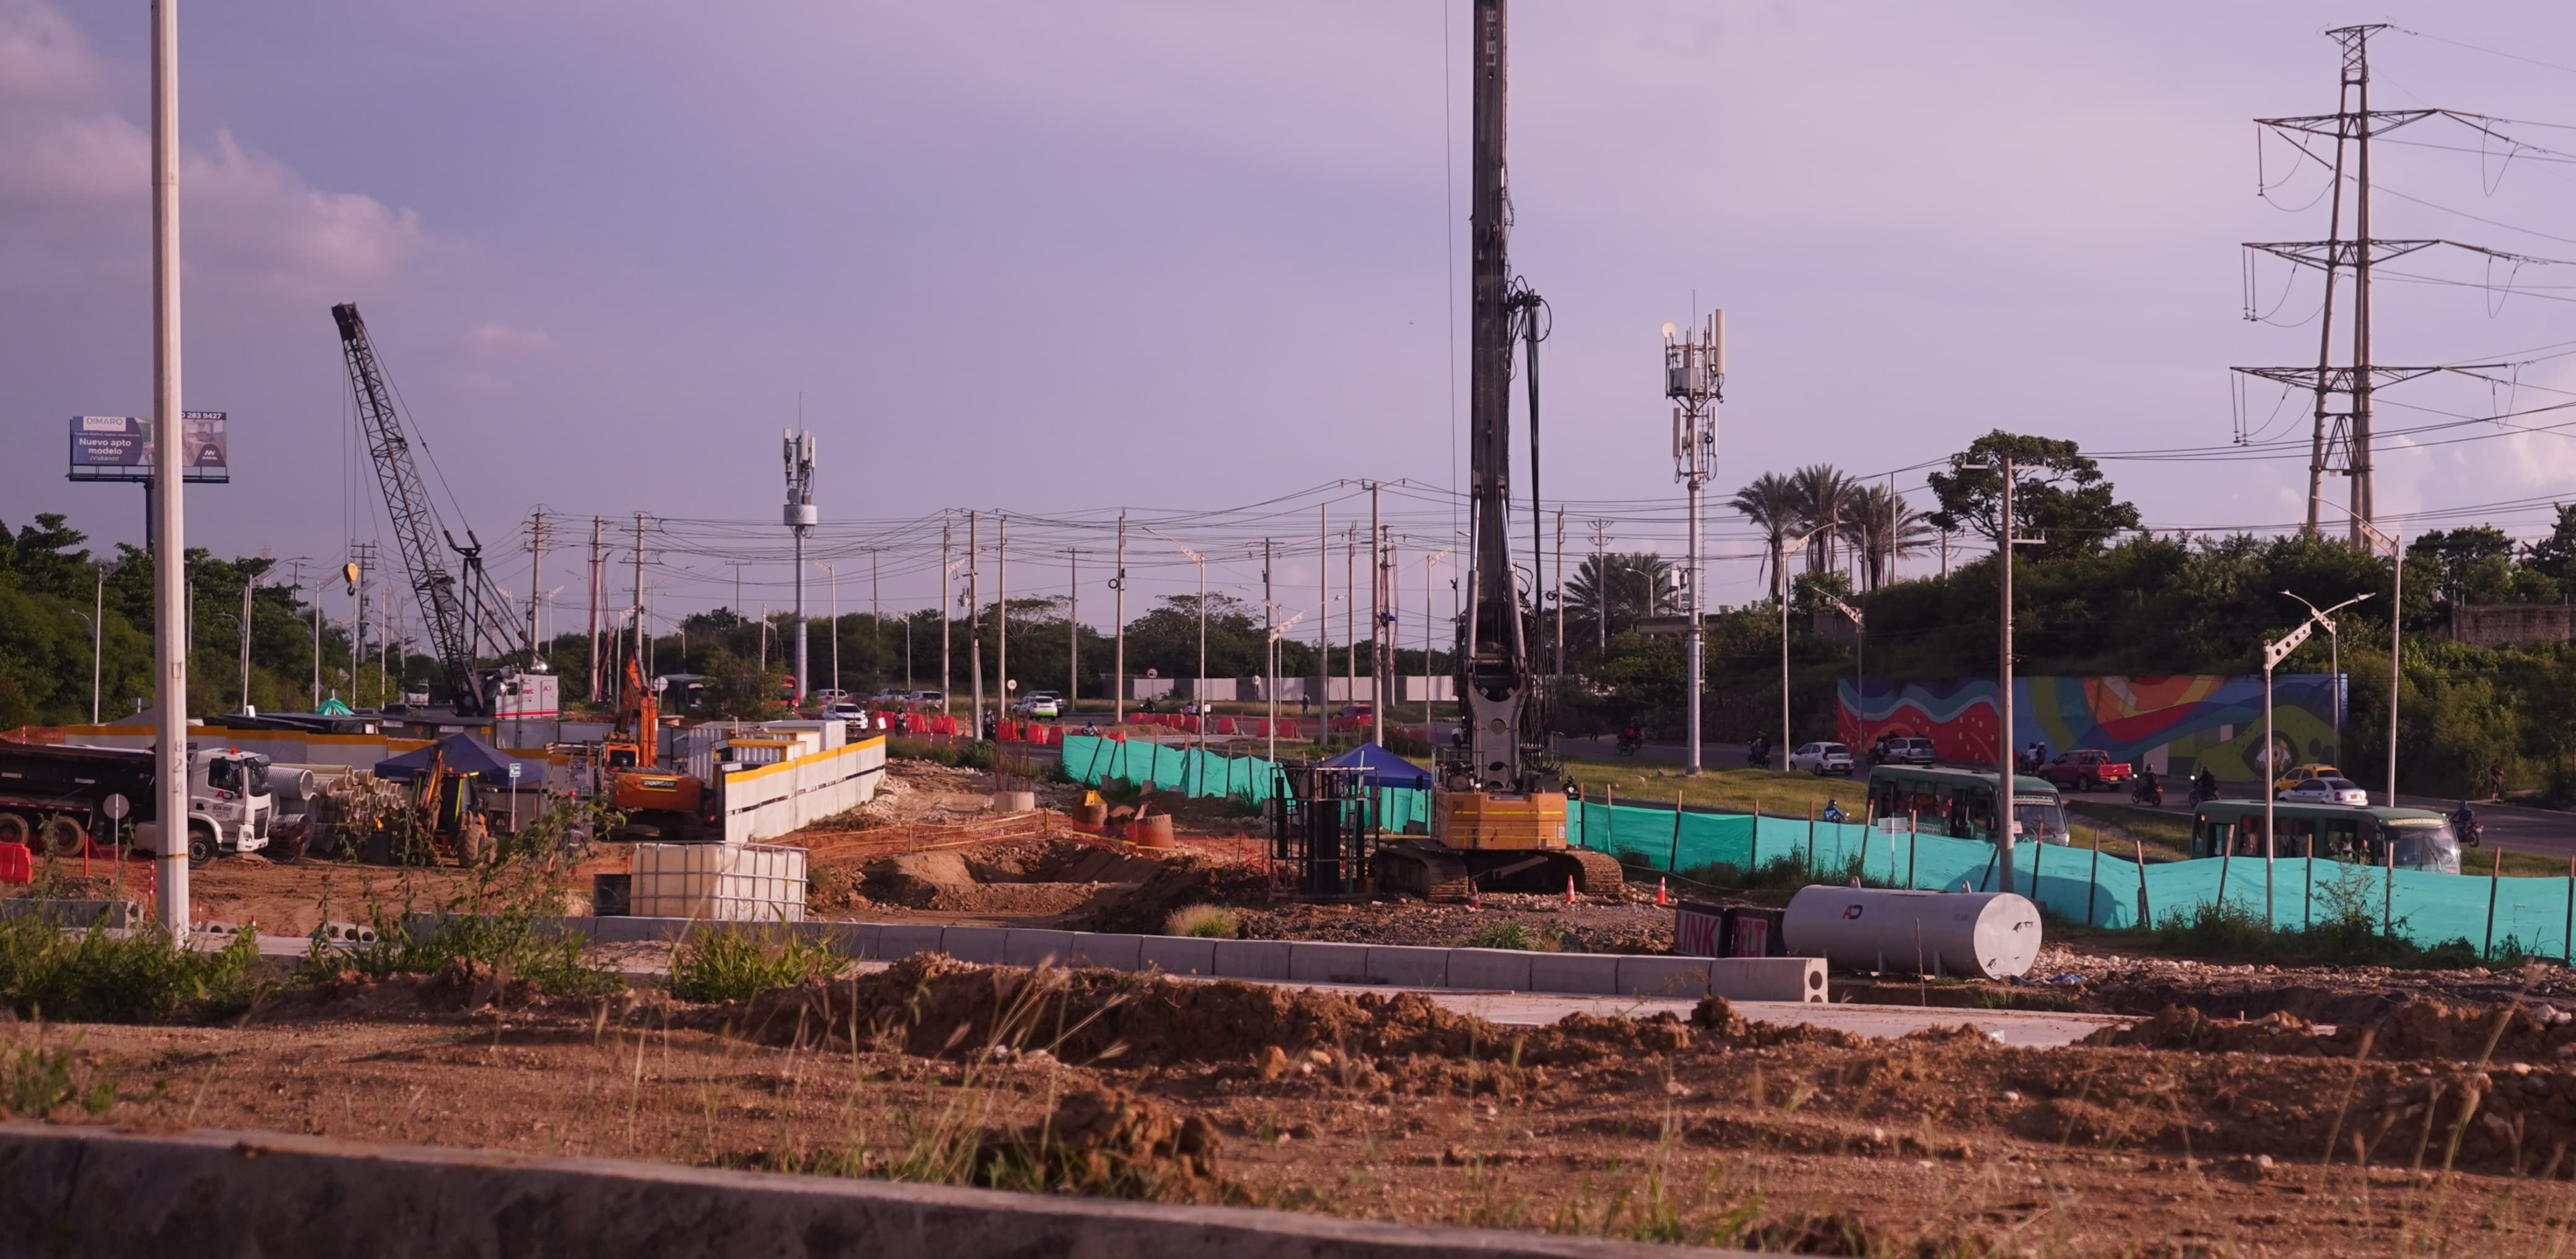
(2071, 884)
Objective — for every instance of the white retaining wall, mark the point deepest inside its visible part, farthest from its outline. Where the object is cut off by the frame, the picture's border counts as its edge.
(771, 800)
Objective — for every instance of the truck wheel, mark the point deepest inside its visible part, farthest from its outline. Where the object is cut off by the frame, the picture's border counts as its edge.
(14, 829)
(61, 836)
(201, 846)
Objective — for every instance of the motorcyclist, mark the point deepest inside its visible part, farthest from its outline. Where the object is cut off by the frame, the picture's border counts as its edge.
(2148, 787)
(1630, 738)
(2205, 786)
(2464, 819)
(1833, 810)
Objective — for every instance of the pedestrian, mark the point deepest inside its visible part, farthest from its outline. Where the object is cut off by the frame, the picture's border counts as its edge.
(2495, 781)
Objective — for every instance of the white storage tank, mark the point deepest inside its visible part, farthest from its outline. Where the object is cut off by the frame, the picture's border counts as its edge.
(1973, 935)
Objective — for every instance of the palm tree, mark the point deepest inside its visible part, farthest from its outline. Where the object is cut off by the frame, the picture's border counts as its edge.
(1883, 529)
(1771, 503)
(1609, 592)
(1825, 498)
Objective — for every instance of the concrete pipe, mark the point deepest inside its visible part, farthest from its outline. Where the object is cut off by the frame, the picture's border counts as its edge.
(288, 783)
(1974, 935)
(1154, 830)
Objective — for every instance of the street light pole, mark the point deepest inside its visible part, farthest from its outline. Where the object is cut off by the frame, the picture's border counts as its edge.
(2273, 654)
(2396, 627)
(1780, 585)
(2334, 666)
(168, 543)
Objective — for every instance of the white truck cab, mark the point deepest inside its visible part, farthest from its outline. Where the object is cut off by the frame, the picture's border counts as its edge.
(229, 805)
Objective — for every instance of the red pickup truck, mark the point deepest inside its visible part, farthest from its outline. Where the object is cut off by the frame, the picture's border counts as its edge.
(2085, 769)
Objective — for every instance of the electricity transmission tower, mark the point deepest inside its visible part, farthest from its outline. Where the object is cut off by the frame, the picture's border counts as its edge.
(2340, 443)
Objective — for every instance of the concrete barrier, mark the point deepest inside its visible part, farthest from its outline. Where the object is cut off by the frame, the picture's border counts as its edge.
(1326, 962)
(1595, 974)
(60, 912)
(1768, 978)
(1504, 969)
(1251, 959)
(103, 1194)
(1685, 978)
(1300, 961)
(1117, 952)
(1178, 955)
(983, 945)
(903, 939)
(1031, 946)
(1408, 967)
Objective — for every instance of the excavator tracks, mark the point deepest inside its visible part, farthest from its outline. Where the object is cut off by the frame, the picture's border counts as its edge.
(1440, 874)
(1434, 874)
(1599, 873)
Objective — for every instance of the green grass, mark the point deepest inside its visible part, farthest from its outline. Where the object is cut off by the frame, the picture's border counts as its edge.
(1651, 784)
(138, 977)
(2120, 828)
(736, 965)
(1502, 935)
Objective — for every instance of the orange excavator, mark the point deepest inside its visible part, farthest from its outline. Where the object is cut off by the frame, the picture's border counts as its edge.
(659, 804)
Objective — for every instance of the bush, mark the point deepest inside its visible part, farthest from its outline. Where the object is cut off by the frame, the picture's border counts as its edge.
(980, 754)
(1503, 934)
(490, 928)
(1213, 921)
(101, 977)
(731, 965)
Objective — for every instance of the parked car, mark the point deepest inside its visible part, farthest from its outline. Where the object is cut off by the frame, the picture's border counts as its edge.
(2327, 791)
(1039, 705)
(2301, 773)
(2085, 769)
(1902, 749)
(927, 699)
(1822, 758)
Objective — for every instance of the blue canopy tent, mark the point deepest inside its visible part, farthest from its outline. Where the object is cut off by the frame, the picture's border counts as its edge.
(460, 754)
(1387, 769)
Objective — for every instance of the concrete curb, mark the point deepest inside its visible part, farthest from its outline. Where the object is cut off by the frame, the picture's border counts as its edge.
(1288, 961)
(103, 1194)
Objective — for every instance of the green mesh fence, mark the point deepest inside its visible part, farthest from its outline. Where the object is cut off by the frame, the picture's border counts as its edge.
(2072, 884)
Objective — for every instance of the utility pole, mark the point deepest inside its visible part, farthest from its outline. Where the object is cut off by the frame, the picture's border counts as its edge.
(1269, 636)
(536, 558)
(168, 537)
(876, 617)
(974, 623)
(98, 637)
(317, 643)
(2008, 752)
(832, 574)
(249, 584)
(1381, 620)
(1001, 612)
(1323, 612)
(1072, 630)
(946, 674)
(1695, 380)
(1560, 595)
(594, 609)
(1351, 612)
(1600, 587)
(1118, 584)
(639, 616)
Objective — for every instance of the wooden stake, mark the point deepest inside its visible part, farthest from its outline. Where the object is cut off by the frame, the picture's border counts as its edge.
(2495, 885)
(2146, 916)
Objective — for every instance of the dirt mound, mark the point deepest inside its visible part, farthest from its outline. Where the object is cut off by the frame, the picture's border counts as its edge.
(1036, 878)
(1108, 1142)
(2417, 1030)
(2181, 1027)
(1186, 878)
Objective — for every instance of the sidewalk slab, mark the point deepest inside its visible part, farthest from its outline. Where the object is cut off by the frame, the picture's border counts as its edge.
(1250, 959)
(897, 940)
(1177, 955)
(1034, 946)
(1407, 966)
(1325, 962)
(1505, 969)
(1678, 977)
(1768, 978)
(1593, 973)
(1117, 952)
(982, 945)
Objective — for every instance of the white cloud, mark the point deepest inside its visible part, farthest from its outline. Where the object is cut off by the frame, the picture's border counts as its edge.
(494, 339)
(75, 186)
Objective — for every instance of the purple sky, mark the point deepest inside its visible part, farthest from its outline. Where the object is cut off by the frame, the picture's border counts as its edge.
(1057, 259)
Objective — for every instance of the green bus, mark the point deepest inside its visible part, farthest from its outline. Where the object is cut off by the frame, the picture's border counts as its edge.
(2411, 839)
(1961, 803)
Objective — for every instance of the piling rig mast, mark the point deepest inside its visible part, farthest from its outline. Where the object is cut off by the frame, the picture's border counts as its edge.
(1498, 815)
(461, 608)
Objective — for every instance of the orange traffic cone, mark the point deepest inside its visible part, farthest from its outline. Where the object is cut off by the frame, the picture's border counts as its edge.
(1475, 897)
(1569, 889)
(1661, 897)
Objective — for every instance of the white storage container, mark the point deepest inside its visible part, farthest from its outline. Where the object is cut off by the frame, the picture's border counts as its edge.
(718, 882)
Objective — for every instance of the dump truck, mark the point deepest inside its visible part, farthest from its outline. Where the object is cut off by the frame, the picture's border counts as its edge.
(53, 798)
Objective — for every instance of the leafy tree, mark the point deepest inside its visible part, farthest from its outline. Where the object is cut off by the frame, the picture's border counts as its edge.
(2474, 562)
(2058, 495)
(2552, 555)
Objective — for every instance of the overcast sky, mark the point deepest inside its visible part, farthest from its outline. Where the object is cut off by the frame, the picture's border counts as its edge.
(1059, 259)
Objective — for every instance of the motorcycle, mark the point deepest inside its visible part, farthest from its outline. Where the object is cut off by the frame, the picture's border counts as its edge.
(2151, 795)
(1629, 742)
(2202, 793)
(2471, 832)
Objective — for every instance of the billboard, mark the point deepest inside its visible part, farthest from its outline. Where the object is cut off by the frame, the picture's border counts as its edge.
(119, 447)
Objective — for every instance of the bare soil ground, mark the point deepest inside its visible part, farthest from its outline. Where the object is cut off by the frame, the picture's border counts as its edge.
(2199, 1140)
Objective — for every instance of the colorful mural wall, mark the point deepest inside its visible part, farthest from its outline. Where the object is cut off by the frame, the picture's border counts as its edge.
(2175, 724)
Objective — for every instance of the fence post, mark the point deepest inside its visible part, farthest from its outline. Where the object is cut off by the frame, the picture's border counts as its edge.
(2094, 892)
(1989, 875)
(1675, 863)
(2495, 884)
(1809, 868)
(2388, 891)
(2146, 915)
(1863, 865)
(2226, 859)
(2308, 896)
(1913, 841)
(2567, 935)
(2037, 851)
